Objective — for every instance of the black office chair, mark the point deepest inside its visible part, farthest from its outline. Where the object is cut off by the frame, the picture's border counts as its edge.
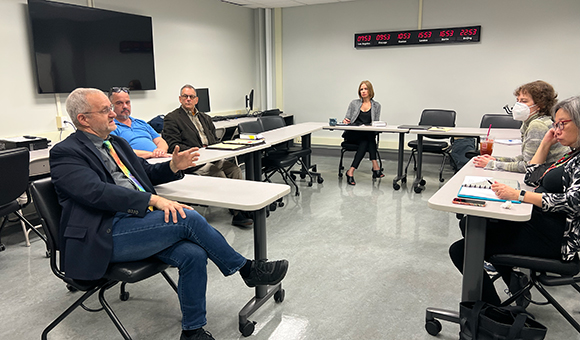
(544, 273)
(275, 160)
(497, 121)
(14, 172)
(434, 144)
(275, 122)
(347, 145)
(47, 206)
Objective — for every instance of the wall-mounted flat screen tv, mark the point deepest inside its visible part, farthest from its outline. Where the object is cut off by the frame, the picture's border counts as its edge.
(77, 46)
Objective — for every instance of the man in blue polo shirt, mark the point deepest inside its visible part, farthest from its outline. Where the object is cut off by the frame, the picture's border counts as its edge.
(145, 141)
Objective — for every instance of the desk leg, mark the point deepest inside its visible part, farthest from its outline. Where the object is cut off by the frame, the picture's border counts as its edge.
(254, 166)
(263, 293)
(419, 183)
(400, 176)
(472, 274)
(473, 264)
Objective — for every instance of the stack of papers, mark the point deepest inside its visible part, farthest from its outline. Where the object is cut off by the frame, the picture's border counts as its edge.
(251, 136)
(445, 129)
(245, 141)
(480, 188)
(509, 141)
(379, 124)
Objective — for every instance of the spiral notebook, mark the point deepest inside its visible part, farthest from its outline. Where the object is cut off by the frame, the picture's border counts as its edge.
(478, 187)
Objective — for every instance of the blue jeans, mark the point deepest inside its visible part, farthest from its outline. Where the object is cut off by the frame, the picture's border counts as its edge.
(186, 245)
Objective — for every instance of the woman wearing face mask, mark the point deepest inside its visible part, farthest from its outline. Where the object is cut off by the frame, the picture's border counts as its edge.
(553, 231)
(534, 103)
(363, 111)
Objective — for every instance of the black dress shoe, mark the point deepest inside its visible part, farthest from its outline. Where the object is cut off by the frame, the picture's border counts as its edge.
(378, 174)
(240, 220)
(263, 272)
(198, 334)
(350, 180)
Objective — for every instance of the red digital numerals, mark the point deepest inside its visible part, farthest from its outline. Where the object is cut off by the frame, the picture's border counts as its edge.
(363, 38)
(468, 32)
(446, 34)
(404, 36)
(425, 35)
(383, 37)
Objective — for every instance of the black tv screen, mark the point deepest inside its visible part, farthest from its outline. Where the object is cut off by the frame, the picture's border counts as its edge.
(77, 46)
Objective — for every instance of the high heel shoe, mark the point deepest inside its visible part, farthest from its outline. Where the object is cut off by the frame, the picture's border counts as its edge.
(378, 174)
(350, 180)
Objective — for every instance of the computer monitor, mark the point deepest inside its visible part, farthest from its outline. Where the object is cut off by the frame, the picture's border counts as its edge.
(203, 102)
(250, 101)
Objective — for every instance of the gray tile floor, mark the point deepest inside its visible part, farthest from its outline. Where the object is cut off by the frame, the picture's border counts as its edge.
(365, 262)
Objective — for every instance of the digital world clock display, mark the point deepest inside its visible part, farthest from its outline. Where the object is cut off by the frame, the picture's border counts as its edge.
(468, 34)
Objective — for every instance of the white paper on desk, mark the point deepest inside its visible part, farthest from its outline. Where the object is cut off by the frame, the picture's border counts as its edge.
(379, 124)
(478, 187)
(509, 141)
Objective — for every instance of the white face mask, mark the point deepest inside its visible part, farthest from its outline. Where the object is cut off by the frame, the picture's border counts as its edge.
(521, 111)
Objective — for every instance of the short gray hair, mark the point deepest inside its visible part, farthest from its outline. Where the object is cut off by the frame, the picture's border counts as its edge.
(77, 103)
(187, 86)
(572, 107)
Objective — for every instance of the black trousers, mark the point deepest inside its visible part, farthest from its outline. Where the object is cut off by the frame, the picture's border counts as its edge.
(541, 236)
(366, 141)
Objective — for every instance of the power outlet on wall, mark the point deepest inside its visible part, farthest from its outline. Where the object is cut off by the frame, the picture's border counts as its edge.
(60, 123)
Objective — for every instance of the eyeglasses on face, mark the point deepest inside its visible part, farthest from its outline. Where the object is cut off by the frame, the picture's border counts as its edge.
(190, 96)
(104, 111)
(561, 124)
(118, 89)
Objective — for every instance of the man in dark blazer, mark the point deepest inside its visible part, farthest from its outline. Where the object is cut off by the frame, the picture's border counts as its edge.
(187, 127)
(106, 216)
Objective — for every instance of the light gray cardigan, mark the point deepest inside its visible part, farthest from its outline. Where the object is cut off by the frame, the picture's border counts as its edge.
(354, 110)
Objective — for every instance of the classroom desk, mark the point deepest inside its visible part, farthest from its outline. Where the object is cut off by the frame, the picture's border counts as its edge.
(475, 231)
(419, 182)
(389, 129)
(39, 165)
(239, 195)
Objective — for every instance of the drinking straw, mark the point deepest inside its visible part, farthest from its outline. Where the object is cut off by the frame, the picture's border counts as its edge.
(488, 131)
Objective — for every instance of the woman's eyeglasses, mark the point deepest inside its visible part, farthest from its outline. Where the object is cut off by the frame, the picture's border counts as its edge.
(560, 125)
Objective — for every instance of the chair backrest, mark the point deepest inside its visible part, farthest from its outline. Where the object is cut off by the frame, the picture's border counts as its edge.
(157, 123)
(499, 121)
(47, 206)
(14, 172)
(251, 127)
(438, 117)
(272, 122)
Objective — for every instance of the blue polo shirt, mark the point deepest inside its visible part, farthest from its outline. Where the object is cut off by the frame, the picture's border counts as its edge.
(140, 135)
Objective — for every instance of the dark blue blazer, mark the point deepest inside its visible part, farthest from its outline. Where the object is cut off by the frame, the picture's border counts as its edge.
(90, 199)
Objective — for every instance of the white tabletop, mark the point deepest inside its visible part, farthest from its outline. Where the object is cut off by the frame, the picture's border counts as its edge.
(442, 199)
(474, 132)
(388, 128)
(223, 192)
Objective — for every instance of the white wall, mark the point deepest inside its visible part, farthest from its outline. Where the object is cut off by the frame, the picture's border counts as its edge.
(204, 42)
(521, 41)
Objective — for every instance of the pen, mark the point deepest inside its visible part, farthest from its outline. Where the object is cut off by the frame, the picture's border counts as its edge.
(490, 182)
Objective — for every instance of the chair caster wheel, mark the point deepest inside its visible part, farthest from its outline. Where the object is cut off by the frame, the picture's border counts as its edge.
(272, 206)
(309, 184)
(124, 296)
(280, 204)
(441, 180)
(396, 186)
(303, 176)
(320, 180)
(248, 328)
(340, 175)
(433, 327)
(418, 189)
(279, 295)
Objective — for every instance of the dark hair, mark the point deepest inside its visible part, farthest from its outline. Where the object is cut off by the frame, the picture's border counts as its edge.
(369, 87)
(542, 93)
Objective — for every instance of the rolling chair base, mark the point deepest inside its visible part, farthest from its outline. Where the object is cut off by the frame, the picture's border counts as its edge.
(263, 294)
(433, 315)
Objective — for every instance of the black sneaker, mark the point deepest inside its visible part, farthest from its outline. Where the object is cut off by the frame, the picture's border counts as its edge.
(263, 273)
(199, 334)
(240, 220)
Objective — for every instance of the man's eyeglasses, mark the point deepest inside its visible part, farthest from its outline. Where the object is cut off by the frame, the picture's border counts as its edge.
(118, 89)
(560, 125)
(104, 111)
(190, 96)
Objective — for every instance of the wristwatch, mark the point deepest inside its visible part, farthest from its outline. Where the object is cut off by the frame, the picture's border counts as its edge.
(522, 194)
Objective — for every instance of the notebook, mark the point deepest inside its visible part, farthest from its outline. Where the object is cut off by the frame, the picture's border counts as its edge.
(415, 127)
(479, 187)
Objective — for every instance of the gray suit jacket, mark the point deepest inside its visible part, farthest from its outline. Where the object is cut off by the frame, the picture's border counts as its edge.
(354, 110)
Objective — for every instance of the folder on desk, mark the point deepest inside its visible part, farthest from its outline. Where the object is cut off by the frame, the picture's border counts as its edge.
(415, 127)
(478, 187)
(245, 141)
